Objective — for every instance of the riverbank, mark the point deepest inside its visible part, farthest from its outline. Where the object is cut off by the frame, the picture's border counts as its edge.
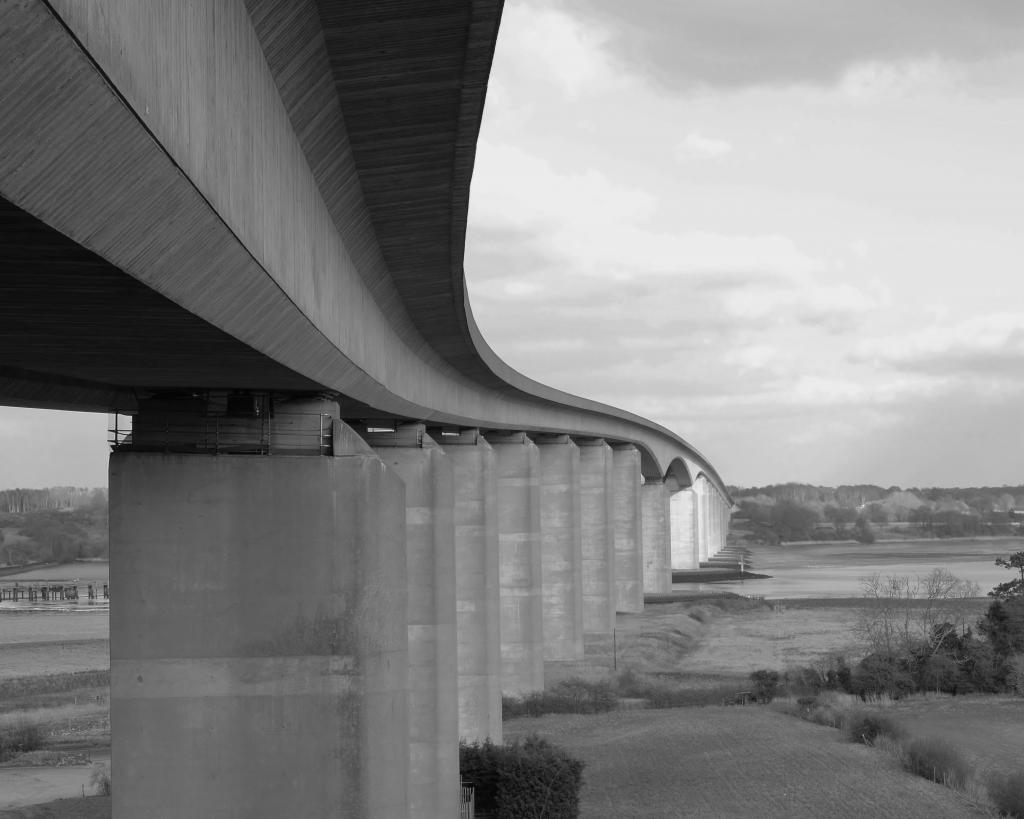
(714, 575)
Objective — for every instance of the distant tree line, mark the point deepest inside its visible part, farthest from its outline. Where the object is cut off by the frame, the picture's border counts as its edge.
(19, 501)
(793, 512)
(51, 525)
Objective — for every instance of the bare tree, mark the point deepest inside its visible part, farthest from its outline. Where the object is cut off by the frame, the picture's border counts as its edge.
(903, 614)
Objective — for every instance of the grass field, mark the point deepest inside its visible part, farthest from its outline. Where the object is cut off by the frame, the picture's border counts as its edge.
(988, 730)
(733, 763)
(91, 807)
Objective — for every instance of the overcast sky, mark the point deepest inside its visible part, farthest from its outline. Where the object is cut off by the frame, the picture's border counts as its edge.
(792, 232)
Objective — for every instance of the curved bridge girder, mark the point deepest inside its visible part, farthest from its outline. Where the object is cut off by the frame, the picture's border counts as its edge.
(288, 184)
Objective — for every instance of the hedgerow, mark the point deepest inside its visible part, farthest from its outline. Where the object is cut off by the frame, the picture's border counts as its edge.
(527, 779)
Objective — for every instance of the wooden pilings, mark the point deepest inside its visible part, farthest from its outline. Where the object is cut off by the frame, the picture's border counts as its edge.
(53, 592)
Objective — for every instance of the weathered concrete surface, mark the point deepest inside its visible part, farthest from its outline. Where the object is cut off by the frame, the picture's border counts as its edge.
(477, 583)
(626, 528)
(430, 566)
(258, 645)
(597, 539)
(561, 547)
(684, 530)
(657, 546)
(522, 607)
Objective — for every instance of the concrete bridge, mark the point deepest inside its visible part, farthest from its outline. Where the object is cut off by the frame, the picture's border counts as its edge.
(340, 525)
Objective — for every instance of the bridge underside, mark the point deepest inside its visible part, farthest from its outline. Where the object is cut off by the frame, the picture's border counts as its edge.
(75, 330)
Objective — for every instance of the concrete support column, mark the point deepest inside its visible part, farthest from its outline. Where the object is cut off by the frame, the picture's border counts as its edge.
(258, 644)
(430, 559)
(712, 521)
(597, 539)
(682, 507)
(657, 547)
(629, 571)
(719, 505)
(477, 581)
(700, 488)
(522, 610)
(561, 547)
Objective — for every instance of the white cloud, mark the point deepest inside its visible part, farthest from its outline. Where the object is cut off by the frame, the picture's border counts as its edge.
(994, 334)
(552, 48)
(878, 81)
(800, 299)
(698, 147)
(605, 229)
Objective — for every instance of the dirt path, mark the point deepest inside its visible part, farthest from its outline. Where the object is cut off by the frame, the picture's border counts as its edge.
(32, 786)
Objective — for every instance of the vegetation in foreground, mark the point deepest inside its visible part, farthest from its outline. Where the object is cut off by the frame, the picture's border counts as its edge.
(54, 719)
(930, 756)
(527, 777)
(87, 807)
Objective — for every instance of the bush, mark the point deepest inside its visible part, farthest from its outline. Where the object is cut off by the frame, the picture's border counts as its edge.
(1007, 792)
(531, 779)
(573, 696)
(667, 695)
(867, 726)
(766, 684)
(20, 738)
(937, 760)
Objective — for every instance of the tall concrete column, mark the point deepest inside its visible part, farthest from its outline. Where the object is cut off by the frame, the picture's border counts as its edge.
(522, 608)
(682, 507)
(700, 488)
(430, 560)
(629, 571)
(561, 547)
(258, 644)
(598, 543)
(476, 583)
(657, 547)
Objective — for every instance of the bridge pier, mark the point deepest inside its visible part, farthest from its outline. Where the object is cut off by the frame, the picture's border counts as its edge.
(476, 584)
(522, 613)
(597, 539)
(626, 526)
(682, 506)
(703, 515)
(430, 565)
(258, 644)
(657, 547)
(561, 547)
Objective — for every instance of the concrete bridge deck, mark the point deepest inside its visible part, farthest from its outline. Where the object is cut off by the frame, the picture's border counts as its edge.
(227, 211)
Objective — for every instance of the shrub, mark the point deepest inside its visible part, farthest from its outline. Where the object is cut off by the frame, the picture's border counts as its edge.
(528, 779)
(572, 696)
(1015, 673)
(937, 760)
(766, 684)
(667, 695)
(1007, 792)
(99, 780)
(20, 738)
(867, 726)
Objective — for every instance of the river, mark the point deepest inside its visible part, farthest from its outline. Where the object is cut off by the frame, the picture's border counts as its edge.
(810, 570)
